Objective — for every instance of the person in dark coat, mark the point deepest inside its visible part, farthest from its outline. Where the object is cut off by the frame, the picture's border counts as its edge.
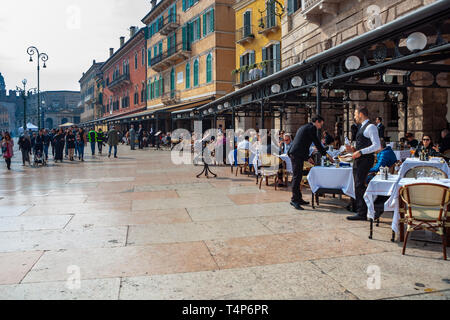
(354, 130)
(25, 148)
(380, 127)
(427, 146)
(140, 135)
(60, 139)
(70, 144)
(299, 153)
(445, 141)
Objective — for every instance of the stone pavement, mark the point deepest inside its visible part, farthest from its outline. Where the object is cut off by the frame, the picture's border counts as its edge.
(139, 227)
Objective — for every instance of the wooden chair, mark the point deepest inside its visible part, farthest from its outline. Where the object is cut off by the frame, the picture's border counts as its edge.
(270, 167)
(243, 158)
(427, 172)
(426, 209)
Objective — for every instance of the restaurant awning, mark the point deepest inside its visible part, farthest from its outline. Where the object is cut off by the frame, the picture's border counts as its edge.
(414, 42)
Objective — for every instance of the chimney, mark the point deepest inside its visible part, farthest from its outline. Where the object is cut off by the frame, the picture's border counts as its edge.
(122, 41)
(93, 61)
(153, 2)
(132, 31)
(111, 52)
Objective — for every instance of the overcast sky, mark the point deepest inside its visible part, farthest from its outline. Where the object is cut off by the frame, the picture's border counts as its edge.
(71, 32)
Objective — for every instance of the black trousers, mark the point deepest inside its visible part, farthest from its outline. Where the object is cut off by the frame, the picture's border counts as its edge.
(100, 146)
(297, 167)
(8, 163)
(361, 169)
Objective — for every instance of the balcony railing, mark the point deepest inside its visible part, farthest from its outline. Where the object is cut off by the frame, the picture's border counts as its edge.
(268, 24)
(180, 51)
(120, 80)
(169, 24)
(314, 8)
(244, 34)
(248, 74)
(170, 97)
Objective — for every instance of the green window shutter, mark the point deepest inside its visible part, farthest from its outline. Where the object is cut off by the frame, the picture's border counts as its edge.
(149, 56)
(252, 57)
(184, 5)
(184, 37)
(209, 68)
(198, 28)
(146, 33)
(172, 80)
(241, 74)
(188, 75)
(191, 32)
(155, 51)
(160, 47)
(204, 25)
(212, 20)
(196, 73)
(277, 55)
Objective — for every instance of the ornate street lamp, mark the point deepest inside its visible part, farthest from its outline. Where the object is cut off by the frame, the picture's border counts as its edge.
(24, 97)
(44, 58)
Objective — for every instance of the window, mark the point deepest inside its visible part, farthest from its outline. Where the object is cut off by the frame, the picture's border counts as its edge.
(208, 22)
(196, 73)
(292, 6)
(196, 29)
(143, 57)
(247, 23)
(161, 85)
(209, 68)
(272, 54)
(188, 3)
(188, 75)
(143, 93)
(149, 56)
(136, 98)
(135, 61)
(172, 80)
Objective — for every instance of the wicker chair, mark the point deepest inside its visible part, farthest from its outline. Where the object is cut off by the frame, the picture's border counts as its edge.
(426, 209)
(270, 167)
(427, 172)
(243, 158)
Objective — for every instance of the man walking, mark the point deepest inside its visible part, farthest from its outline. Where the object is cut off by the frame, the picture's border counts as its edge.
(141, 136)
(299, 153)
(132, 134)
(47, 140)
(100, 139)
(113, 141)
(367, 143)
(25, 147)
(92, 136)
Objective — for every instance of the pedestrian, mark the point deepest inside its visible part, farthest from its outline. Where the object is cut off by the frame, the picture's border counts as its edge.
(367, 143)
(299, 153)
(7, 149)
(141, 136)
(81, 143)
(25, 148)
(59, 145)
(71, 144)
(46, 139)
(52, 141)
(92, 136)
(132, 133)
(113, 141)
(100, 140)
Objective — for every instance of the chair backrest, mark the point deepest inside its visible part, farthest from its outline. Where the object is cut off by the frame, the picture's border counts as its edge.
(269, 161)
(243, 156)
(426, 171)
(426, 201)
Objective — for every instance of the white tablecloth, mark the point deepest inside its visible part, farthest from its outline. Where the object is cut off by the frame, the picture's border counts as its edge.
(288, 161)
(402, 154)
(332, 178)
(415, 162)
(378, 187)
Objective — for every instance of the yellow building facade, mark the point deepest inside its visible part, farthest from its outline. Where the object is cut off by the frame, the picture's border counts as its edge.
(190, 51)
(258, 39)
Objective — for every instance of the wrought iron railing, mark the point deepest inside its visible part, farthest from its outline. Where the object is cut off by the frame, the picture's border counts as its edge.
(268, 22)
(119, 79)
(244, 33)
(170, 52)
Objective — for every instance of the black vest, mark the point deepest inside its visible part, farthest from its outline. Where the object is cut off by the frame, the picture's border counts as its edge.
(361, 141)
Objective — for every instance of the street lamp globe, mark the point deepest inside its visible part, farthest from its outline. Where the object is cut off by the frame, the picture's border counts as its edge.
(416, 41)
(352, 63)
(296, 81)
(276, 88)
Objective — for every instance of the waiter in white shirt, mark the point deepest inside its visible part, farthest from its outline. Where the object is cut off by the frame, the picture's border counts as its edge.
(367, 144)
(244, 145)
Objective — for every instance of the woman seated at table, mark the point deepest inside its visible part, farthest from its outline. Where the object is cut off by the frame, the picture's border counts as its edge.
(386, 158)
(427, 146)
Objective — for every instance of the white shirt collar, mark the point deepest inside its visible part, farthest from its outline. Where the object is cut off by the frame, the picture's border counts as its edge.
(364, 123)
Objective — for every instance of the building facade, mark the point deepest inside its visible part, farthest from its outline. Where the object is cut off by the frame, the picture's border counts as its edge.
(191, 52)
(124, 77)
(314, 26)
(91, 96)
(258, 46)
(9, 102)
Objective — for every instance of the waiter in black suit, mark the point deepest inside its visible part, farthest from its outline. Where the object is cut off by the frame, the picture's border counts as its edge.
(380, 127)
(299, 153)
(367, 143)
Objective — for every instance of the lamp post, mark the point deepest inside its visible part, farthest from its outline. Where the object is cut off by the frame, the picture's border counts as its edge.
(24, 97)
(40, 57)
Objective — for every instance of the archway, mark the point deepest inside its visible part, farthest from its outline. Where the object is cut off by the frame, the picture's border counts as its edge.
(49, 123)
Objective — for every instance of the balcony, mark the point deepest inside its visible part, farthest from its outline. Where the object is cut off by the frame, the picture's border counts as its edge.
(313, 9)
(169, 24)
(168, 58)
(249, 74)
(123, 80)
(171, 97)
(269, 24)
(245, 35)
